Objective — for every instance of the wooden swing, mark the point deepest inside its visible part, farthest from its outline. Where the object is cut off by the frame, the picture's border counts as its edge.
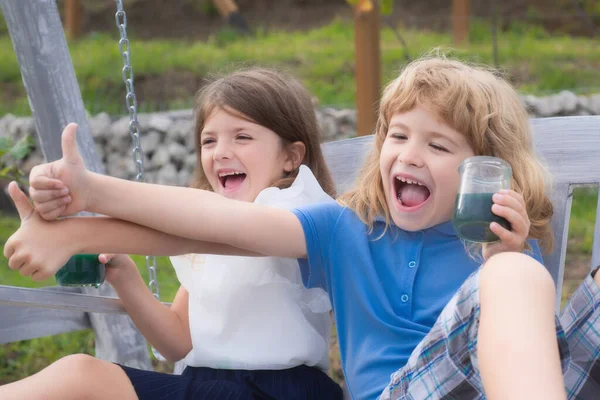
(569, 146)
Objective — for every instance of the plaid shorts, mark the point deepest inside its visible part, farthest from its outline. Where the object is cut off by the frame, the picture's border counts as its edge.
(444, 365)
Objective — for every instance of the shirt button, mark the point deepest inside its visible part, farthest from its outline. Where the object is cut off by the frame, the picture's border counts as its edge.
(404, 298)
(412, 264)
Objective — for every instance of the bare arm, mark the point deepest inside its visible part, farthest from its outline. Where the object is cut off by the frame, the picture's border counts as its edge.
(110, 235)
(39, 248)
(199, 215)
(167, 329)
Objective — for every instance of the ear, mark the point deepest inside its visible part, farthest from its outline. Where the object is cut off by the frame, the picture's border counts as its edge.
(295, 155)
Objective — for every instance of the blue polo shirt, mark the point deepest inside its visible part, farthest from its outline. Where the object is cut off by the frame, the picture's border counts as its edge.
(386, 294)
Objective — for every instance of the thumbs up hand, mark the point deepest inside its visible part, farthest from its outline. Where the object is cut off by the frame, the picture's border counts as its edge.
(38, 248)
(60, 188)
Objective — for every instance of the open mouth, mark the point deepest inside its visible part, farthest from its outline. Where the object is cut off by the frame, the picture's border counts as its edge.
(231, 180)
(409, 192)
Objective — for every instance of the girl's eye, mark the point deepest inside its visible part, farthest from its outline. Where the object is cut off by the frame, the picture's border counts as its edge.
(244, 137)
(399, 136)
(439, 148)
(207, 141)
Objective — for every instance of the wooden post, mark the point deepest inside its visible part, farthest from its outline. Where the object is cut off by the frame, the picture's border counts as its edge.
(73, 18)
(461, 12)
(368, 65)
(49, 78)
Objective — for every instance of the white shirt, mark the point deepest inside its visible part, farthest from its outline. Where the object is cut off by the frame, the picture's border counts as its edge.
(254, 312)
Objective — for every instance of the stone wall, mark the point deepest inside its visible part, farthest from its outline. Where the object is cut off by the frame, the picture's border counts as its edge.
(168, 138)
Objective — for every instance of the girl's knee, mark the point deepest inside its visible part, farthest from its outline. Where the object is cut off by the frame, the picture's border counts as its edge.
(78, 364)
(512, 271)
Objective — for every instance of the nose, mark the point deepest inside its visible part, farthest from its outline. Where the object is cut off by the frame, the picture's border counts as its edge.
(411, 154)
(222, 150)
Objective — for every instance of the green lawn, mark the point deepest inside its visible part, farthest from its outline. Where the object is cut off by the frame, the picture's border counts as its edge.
(323, 58)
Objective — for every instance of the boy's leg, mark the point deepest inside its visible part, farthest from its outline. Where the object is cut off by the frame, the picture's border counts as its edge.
(517, 342)
(74, 377)
(446, 363)
(581, 321)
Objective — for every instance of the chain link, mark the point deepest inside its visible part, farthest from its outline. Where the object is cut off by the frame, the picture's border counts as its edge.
(137, 152)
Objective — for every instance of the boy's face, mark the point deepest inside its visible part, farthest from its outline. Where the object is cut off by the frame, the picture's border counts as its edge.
(240, 158)
(419, 167)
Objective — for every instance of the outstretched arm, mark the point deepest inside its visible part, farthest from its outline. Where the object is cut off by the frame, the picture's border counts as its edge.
(199, 215)
(39, 247)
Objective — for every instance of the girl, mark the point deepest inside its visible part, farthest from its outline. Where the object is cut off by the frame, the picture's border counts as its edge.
(409, 301)
(245, 327)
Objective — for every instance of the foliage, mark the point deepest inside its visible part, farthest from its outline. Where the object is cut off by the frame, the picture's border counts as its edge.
(10, 154)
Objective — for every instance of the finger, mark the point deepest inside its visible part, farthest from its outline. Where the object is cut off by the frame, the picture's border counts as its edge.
(513, 194)
(9, 247)
(42, 196)
(39, 275)
(52, 215)
(28, 268)
(70, 153)
(16, 261)
(516, 220)
(24, 208)
(505, 199)
(507, 238)
(105, 258)
(516, 196)
(41, 181)
(49, 206)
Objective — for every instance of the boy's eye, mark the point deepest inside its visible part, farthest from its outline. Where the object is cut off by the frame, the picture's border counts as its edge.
(439, 148)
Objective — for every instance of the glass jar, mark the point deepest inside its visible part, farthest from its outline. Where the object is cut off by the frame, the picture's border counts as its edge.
(81, 270)
(480, 178)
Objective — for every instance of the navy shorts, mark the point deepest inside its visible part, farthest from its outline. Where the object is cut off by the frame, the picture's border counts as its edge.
(198, 383)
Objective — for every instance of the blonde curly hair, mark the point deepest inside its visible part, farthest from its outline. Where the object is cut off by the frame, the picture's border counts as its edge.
(476, 101)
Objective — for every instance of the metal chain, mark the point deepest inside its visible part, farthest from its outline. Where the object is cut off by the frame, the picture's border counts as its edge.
(137, 153)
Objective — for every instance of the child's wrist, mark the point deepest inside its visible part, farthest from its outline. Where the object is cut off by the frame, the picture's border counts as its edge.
(94, 181)
(125, 274)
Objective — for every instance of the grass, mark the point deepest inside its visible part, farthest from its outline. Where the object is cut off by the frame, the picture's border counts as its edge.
(537, 62)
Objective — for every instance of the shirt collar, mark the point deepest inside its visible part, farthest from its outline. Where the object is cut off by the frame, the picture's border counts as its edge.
(445, 228)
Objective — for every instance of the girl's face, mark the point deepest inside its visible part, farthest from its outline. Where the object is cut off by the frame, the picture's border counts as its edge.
(241, 158)
(419, 167)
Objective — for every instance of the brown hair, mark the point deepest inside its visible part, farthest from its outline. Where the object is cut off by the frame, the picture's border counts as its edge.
(473, 100)
(271, 99)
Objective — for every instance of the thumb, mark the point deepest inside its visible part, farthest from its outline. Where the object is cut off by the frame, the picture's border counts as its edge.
(70, 152)
(24, 208)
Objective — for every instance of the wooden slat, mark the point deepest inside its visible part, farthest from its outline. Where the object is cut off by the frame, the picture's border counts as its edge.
(596, 245)
(345, 158)
(562, 197)
(60, 299)
(20, 323)
(569, 146)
